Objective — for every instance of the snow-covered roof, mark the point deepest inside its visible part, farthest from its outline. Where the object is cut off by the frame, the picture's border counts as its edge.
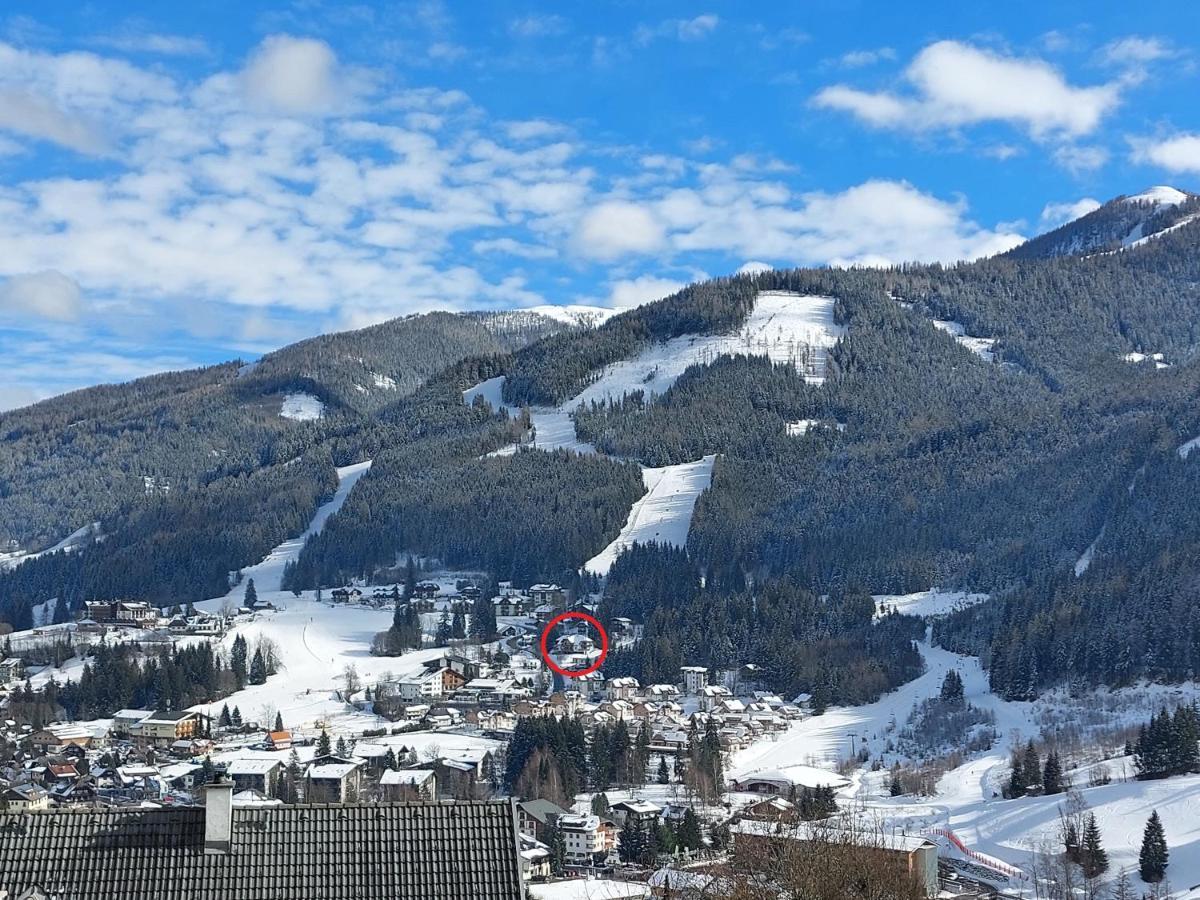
(331, 770)
(406, 776)
(252, 766)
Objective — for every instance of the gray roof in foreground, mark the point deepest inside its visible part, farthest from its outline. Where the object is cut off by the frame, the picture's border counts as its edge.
(401, 851)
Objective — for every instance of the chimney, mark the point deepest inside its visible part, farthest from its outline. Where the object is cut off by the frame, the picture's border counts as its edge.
(218, 817)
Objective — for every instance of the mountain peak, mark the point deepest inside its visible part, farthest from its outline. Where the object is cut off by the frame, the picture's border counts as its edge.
(1160, 195)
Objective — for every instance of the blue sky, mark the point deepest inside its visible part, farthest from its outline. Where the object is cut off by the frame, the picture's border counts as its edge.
(187, 183)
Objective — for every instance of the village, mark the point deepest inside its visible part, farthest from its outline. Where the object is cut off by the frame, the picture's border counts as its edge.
(437, 725)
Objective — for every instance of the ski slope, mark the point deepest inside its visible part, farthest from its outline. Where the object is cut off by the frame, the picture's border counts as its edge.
(985, 348)
(72, 541)
(268, 574)
(663, 514)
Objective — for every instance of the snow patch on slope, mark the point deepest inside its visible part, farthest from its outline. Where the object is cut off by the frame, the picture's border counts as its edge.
(982, 347)
(927, 603)
(1187, 447)
(663, 514)
(804, 426)
(301, 407)
(785, 327)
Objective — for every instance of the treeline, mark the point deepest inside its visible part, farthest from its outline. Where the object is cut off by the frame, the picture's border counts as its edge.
(831, 646)
(177, 548)
(113, 679)
(524, 518)
(1168, 744)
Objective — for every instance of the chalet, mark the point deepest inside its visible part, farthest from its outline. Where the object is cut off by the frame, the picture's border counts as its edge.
(161, 729)
(24, 798)
(426, 590)
(370, 754)
(575, 643)
(124, 720)
(219, 851)
(753, 839)
(345, 595)
(11, 670)
(135, 613)
(255, 774)
(713, 696)
(332, 779)
(535, 816)
(786, 781)
(280, 740)
(409, 784)
(467, 668)
(622, 688)
(772, 809)
(638, 812)
(181, 776)
(535, 859)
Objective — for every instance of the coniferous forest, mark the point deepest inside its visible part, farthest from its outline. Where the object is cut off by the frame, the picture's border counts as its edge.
(927, 465)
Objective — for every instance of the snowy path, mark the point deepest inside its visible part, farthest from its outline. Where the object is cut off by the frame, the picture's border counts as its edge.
(663, 514)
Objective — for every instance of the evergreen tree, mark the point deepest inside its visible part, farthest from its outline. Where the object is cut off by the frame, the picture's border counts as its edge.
(952, 687)
(689, 837)
(237, 661)
(458, 624)
(895, 788)
(224, 720)
(1031, 765)
(600, 805)
(1052, 782)
(557, 845)
(1153, 858)
(1092, 857)
(444, 631)
(293, 776)
(664, 775)
(324, 745)
(483, 619)
(410, 578)
(278, 721)
(389, 760)
(258, 668)
(235, 718)
(251, 595)
(207, 770)
(632, 843)
(340, 748)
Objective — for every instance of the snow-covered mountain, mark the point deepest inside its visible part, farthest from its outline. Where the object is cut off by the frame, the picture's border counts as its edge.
(1125, 221)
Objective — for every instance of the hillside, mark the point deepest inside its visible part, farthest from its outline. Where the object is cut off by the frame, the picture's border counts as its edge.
(79, 457)
(1009, 426)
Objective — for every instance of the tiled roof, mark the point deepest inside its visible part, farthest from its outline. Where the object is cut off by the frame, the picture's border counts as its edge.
(399, 851)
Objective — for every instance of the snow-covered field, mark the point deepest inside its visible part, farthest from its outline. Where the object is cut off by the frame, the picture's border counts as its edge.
(927, 603)
(663, 514)
(301, 407)
(316, 642)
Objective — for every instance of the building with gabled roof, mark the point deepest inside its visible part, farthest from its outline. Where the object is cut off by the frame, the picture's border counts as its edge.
(386, 851)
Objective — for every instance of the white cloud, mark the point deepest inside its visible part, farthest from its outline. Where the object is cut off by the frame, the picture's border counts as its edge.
(1080, 160)
(694, 29)
(629, 292)
(35, 116)
(617, 228)
(1056, 214)
(533, 26)
(955, 84)
(1179, 154)
(1135, 50)
(47, 295)
(295, 76)
(857, 59)
(134, 41)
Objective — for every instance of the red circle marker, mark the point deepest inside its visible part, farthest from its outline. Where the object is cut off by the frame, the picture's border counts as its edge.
(603, 644)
